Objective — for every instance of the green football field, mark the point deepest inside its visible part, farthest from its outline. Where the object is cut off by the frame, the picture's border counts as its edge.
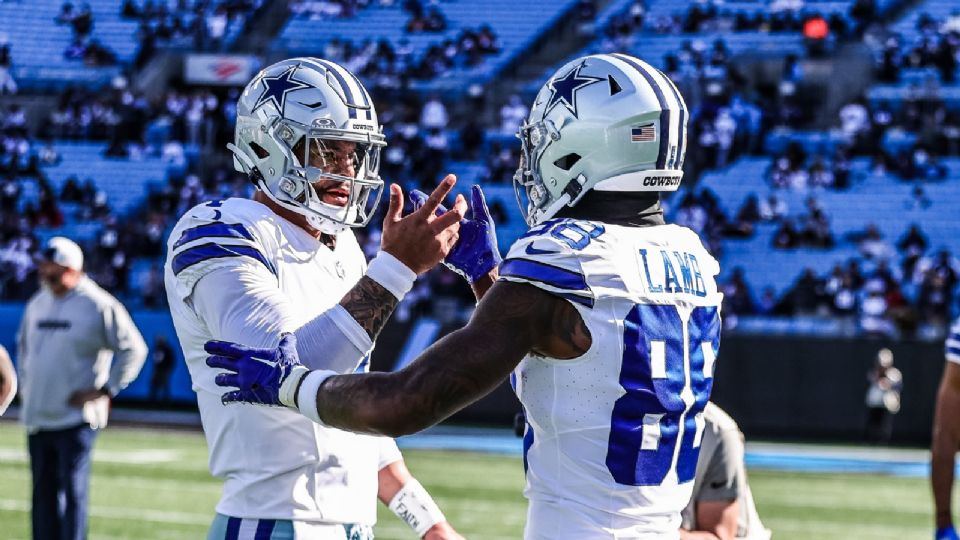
(153, 484)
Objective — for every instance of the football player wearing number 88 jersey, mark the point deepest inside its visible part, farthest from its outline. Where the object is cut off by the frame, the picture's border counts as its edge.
(607, 317)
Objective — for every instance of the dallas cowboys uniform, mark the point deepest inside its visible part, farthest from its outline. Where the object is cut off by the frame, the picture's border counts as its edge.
(612, 439)
(952, 344)
(237, 271)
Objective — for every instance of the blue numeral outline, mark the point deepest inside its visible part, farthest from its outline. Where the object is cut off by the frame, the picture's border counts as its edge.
(645, 422)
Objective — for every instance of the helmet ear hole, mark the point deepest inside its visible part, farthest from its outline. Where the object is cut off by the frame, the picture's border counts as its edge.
(260, 151)
(567, 162)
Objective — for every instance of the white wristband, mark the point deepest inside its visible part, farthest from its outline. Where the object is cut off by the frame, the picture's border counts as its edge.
(288, 389)
(388, 271)
(416, 508)
(307, 395)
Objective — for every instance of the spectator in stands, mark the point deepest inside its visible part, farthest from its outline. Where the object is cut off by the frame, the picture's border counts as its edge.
(772, 208)
(152, 289)
(855, 122)
(912, 245)
(68, 328)
(429, 20)
(874, 318)
(7, 84)
(512, 114)
(816, 226)
(842, 294)
(820, 175)
(767, 303)
(130, 9)
(472, 136)
(502, 163)
(82, 22)
(805, 298)
(66, 14)
(873, 247)
(787, 236)
(434, 114)
(16, 259)
(747, 216)
(737, 299)
(215, 24)
(585, 12)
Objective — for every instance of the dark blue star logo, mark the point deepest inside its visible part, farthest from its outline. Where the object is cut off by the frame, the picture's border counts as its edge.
(277, 88)
(564, 89)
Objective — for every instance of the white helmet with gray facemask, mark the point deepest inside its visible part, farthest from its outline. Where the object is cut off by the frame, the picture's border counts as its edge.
(293, 109)
(607, 122)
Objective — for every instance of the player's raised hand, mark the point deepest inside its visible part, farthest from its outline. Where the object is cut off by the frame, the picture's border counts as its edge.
(475, 253)
(263, 376)
(422, 239)
(946, 533)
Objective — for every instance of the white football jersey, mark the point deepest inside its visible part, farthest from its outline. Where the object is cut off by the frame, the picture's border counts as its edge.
(952, 344)
(612, 439)
(236, 271)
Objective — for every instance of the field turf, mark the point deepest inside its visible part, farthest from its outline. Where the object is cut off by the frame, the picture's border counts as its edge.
(153, 484)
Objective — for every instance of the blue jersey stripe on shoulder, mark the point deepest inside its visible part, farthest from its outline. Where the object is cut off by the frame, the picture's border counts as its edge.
(214, 230)
(198, 254)
(544, 273)
(953, 351)
(264, 529)
(582, 300)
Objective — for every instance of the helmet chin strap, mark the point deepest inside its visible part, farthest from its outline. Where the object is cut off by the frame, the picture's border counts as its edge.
(571, 195)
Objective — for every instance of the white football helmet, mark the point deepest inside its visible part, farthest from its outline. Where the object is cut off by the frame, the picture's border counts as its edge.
(608, 122)
(309, 101)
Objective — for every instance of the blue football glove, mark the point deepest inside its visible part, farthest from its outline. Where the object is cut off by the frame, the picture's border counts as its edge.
(475, 254)
(264, 376)
(946, 533)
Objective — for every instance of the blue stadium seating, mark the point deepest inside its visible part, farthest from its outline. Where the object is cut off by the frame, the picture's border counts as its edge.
(126, 182)
(516, 24)
(938, 9)
(882, 200)
(38, 43)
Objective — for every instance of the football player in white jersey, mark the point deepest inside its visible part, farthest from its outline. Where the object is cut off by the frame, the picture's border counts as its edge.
(946, 437)
(287, 261)
(607, 316)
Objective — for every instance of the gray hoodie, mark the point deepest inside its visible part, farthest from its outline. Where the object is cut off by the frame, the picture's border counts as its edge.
(82, 340)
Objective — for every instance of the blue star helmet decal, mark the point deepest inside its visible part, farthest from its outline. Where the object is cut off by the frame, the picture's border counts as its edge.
(277, 88)
(564, 89)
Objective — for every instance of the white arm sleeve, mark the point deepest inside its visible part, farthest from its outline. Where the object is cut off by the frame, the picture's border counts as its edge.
(243, 304)
(389, 453)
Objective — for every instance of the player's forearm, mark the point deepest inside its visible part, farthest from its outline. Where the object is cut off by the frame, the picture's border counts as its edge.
(482, 285)
(452, 373)
(370, 304)
(441, 382)
(946, 439)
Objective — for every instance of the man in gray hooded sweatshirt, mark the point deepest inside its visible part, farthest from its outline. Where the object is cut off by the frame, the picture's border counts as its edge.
(76, 348)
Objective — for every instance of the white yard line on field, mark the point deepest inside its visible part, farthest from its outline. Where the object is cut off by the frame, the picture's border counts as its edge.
(130, 514)
(131, 457)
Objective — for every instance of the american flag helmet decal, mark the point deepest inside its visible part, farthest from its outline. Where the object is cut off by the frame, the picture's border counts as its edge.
(644, 133)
